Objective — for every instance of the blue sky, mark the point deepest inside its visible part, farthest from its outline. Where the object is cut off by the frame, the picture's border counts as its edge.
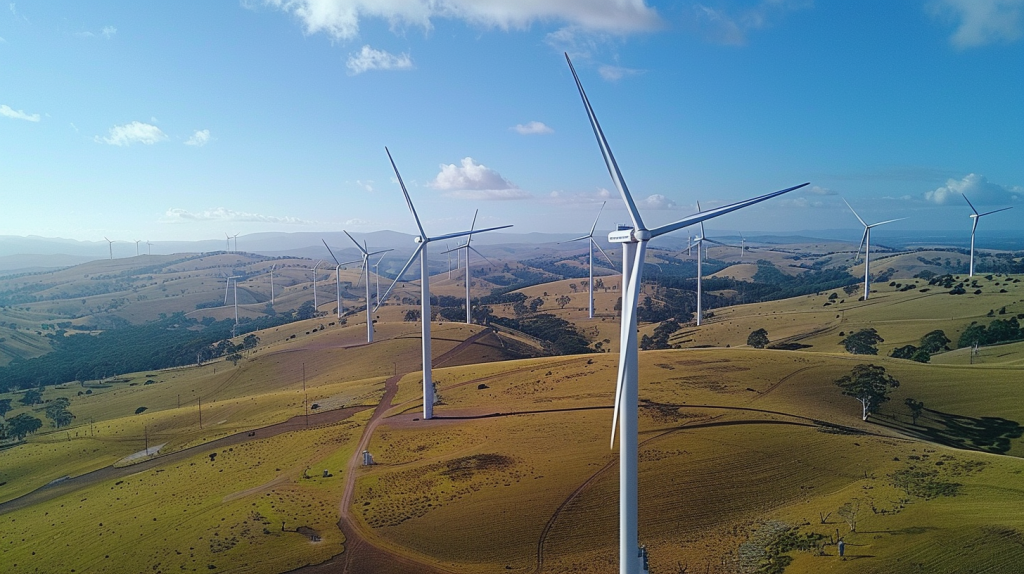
(157, 121)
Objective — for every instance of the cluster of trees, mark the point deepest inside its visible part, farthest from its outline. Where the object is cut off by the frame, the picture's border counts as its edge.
(998, 331)
(58, 413)
(862, 342)
(661, 335)
(934, 342)
(559, 336)
(758, 339)
(24, 424)
(168, 342)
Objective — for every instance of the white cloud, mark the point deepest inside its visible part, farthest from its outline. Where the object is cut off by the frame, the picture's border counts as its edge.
(977, 188)
(135, 132)
(616, 73)
(340, 18)
(821, 190)
(797, 202)
(532, 128)
(981, 22)
(199, 139)
(370, 59)
(656, 201)
(470, 175)
(578, 197)
(489, 194)
(108, 32)
(17, 114)
(723, 27)
(176, 215)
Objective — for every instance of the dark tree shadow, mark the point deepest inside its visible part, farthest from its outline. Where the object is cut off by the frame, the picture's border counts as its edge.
(986, 434)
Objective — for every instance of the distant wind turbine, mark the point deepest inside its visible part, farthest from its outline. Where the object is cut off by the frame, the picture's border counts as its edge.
(315, 305)
(974, 226)
(591, 243)
(110, 246)
(137, 242)
(421, 251)
(458, 252)
(150, 245)
(337, 276)
(235, 237)
(634, 239)
(228, 238)
(865, 242)
(376, 273)
(366, 274)
(698, 241)
(272, 267)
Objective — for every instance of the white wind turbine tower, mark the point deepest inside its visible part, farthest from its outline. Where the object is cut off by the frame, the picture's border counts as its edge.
(376, 273)
(228, 239)
(634, 242)
(110, 247)
(137, 242)
(448, 250)
(150, 245)
(865, 242)
(421, 251)
(592, 244)
(974, 226)
(235, 237)
(337, 277)
(272, 267)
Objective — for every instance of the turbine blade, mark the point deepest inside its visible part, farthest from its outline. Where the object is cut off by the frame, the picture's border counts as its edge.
(884, 222)
(705, 215)
(472, 227)
(381, 257)
(701, 223)
(408, 200)
(606, 151)
(975, 226)
(971, 204)
(602, 252)
(629, 303)
(361, 248)
(481, 255)
(371, 254)
(592, 229)
(862, 239)
(996, 211)
(398, 277)
(329, 251)
(464, 233)
(359, 279)
(854, 212)
(577, 239)
(720, 243)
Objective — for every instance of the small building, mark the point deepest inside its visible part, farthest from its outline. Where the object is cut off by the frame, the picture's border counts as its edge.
(367, 458)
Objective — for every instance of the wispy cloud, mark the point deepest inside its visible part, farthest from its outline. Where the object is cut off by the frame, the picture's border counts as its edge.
(340, 19)
(731, 27)
(133, 133)
(578, 197)
(816, 190)
(107, 32)
(176, 215)
(978, 189)
(365, 184)
(199, 139)
(6, 111)
(657, 201)
(981, 22)
(371, 59)
(472, 180)
(616, 73)
(531, 128)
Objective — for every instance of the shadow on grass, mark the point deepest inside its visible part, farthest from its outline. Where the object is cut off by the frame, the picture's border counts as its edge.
(985, 434)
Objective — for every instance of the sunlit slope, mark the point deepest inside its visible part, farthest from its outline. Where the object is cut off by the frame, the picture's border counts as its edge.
(900, 317)
(517, 465)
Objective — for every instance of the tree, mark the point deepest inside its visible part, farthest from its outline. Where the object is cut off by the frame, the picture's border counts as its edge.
(5, 407)
(234, 358)
(58, 413)
(250, 341)
(935, 341)
(306, 311)
(758, 339)
(412, 315)
(915, 408)
(563, 300)
(863, 342)
(848, 512)
(868, 384)
(536, 304)
(32, 397)
(23, 425)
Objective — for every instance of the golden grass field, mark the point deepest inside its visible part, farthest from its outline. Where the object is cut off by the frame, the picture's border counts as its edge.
(740, 449)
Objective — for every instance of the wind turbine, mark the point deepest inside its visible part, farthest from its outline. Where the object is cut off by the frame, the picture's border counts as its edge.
(137, 242)
(592, 244)
(236, 278)
(376, 274)
(337, 277)
(448, 250)
(458, 252)
(315, 306)
(272, 267)
(228, 238)
(634, 241)
(421, 250)
(235, 237)
(366, 275)
(976, 216)
(110, 246)
(150, 245)
(865, 242)
(698, 241)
